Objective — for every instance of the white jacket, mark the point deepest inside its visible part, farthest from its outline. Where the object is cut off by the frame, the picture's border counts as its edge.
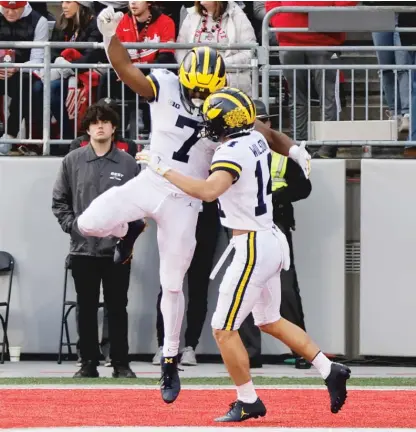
(238, 29)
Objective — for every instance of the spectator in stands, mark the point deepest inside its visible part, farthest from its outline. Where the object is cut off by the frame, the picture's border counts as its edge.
(220, 22)
(143, 23)
(86, 173)
(76, 24)
(289, 185)
(19, 23)
(398, 107)
(198, 281)
(322, 80)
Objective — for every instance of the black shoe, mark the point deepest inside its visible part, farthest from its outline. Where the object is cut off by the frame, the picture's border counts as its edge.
(301, 363)
(124, 247)
(337, 385)
(170, 384)
(240, 411)
(123, 371)
(88, 370)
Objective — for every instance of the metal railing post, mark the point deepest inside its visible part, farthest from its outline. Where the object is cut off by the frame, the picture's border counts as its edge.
(47, 101)
(254, 74)
(265, 72)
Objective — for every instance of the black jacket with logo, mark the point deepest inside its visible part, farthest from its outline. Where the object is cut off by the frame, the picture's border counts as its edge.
(84, 176)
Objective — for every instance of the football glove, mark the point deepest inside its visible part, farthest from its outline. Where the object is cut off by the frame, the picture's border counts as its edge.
(154, 162)
(301, 156)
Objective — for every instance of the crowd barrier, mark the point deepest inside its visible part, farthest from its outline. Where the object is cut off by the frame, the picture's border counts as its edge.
(361, 108)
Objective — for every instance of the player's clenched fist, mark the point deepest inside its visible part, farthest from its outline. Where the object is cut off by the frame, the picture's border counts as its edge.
(108, 20)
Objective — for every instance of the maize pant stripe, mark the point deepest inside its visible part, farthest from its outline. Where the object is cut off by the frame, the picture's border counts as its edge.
(243, 282)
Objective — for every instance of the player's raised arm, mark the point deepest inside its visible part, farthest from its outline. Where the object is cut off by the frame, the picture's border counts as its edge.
(281, 143)
(118, 56)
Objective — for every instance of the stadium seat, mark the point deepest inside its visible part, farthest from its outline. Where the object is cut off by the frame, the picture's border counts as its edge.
(6, 268)
(67, 307)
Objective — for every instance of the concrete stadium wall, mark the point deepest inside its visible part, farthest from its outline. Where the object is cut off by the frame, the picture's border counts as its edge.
(29, 231)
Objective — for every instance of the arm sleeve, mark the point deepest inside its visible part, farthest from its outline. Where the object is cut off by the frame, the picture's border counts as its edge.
(57, 36)
(226, 159)
(167, 33)
(183, 37)
(41, 35)
(245, 35)
(93, 35)
(62, 199)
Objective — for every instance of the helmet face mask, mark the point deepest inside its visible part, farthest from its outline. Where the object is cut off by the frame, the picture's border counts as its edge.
(201, 73)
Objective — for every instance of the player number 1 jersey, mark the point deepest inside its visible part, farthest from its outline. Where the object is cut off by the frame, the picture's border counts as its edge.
(247, 204)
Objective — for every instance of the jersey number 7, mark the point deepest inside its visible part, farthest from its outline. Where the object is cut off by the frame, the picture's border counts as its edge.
(182, 154)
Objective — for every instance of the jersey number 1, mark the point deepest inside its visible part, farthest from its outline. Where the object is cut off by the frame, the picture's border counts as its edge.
(261, 208)
(182, 154)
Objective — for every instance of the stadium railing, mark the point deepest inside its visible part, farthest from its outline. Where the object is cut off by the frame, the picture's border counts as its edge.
(259, 66)
(47, 66)
(352, 15)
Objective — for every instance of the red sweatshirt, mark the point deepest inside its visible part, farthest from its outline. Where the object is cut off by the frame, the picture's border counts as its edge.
(161, 29)
(295, 19)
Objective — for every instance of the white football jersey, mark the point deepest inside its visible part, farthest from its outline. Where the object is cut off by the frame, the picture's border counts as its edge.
(247, 204)
(175, 131)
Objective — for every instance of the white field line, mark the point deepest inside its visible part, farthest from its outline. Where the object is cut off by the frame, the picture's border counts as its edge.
(193, 387)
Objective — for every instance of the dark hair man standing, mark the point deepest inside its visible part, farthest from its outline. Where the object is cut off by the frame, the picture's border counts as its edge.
(86, 173)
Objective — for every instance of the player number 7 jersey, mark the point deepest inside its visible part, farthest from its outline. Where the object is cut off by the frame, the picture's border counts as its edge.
(175, 132)
(247, 204)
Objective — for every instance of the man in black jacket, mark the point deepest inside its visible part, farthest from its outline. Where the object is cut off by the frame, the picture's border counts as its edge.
(288, 185)
(130, 147)
(85, 174)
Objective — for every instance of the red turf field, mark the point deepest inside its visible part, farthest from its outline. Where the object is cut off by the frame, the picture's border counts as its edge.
(286, 408)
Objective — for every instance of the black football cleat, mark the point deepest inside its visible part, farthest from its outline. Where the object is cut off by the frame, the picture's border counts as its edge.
(124, 247)
(241, 411)
(170, 384)
(123, 371)
(88, 370)
(337, 386)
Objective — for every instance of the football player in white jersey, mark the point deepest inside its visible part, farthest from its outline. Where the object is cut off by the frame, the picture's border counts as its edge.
(176, 104)
(240, 178)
